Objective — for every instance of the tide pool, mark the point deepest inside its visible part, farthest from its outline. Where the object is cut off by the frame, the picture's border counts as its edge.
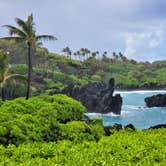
(134, 111)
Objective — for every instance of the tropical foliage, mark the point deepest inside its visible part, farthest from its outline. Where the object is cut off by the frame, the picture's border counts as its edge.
(51, 130)
(142, 148)
(44, 119)
(26, 34)
(5, 75)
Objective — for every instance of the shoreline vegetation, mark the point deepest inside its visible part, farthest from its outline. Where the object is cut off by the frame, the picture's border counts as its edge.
(122, 148)
(50, 130)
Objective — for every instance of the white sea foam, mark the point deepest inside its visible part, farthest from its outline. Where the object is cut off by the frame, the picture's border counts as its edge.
(101, 115)
(133, 107)
(139, 91)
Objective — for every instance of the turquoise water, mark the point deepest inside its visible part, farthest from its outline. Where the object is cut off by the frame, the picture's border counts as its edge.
(135, 111)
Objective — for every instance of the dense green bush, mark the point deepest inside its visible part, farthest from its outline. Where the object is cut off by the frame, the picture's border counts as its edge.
(124, 148)
(37, 119)
(80, 131)
(68, 109)
(20, 68)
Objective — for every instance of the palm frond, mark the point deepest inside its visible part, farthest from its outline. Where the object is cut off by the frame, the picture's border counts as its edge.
(39, 44)
(17, 39)
(23, 25)
(31, 24)
(30, 19)
(45, 37)
(15, 31)
(7, 71)
(15, 76)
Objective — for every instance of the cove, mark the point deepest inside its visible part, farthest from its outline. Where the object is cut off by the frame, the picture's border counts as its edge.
(135, 111)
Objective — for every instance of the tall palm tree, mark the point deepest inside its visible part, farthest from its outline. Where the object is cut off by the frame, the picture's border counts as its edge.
(26, 33)
(97, 53)
(64, 50)
(5, 75)
(79, 54)
(67, 51)
(75, 54)
(82, 50)
(93, 55)
(88, 52)
(104, 54)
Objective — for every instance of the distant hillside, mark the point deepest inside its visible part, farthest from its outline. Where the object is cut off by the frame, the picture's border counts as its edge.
(53, 72)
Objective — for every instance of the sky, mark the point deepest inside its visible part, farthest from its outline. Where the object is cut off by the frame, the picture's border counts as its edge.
(137, 28)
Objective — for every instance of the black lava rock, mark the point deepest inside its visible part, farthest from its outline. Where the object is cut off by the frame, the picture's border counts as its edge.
(156, 101)
(97, 97)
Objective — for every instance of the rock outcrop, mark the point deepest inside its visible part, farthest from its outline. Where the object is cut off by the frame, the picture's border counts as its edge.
(110, 129)
(97, 97)
(158, 126)
(130, 126)
(156, 101)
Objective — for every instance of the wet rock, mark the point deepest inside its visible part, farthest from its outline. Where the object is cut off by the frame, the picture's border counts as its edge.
(156, 101)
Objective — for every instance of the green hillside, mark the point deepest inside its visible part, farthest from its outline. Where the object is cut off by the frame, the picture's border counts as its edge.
(53, 72)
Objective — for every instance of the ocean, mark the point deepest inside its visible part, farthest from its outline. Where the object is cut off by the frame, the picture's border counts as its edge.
(134, 111)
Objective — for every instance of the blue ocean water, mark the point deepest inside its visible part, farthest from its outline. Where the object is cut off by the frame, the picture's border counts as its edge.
(135, 111)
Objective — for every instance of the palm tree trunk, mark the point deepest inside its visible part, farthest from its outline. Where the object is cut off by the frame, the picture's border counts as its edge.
(29, 72)
(3, 94)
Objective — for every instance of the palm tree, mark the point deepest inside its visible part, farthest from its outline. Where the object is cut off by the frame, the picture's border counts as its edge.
(82, 50)
(5, 75)
(97, 53)
(87, 52)
(64, 50)
(78, 53)
(26, 33)
(93, 55)
(67, 51)
(75, 54)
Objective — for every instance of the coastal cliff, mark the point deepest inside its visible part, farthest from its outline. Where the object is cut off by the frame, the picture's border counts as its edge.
(97, 97)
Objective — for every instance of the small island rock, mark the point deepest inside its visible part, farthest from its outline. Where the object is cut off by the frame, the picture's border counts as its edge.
(156, 101)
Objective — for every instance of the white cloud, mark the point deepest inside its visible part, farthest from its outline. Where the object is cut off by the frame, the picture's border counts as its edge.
(113, 25)
(156, 39)
(139, 43)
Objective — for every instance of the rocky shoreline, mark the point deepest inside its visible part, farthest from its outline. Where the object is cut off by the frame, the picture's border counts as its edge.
(117, 127)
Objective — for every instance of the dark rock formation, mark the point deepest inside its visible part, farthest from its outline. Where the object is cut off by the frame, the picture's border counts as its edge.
(156, 101)
(97, 97)
(158, 126)
(130, 126)
(87, 119)
(109, 129)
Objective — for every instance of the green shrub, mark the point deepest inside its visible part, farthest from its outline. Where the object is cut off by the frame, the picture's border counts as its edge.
(96, 78)
(20, 68)
(68, 109)
(37, 119)
(142, 148)
(80, 131)
(97, 129)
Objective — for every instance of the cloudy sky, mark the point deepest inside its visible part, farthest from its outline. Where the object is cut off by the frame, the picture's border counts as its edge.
(135, 27)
